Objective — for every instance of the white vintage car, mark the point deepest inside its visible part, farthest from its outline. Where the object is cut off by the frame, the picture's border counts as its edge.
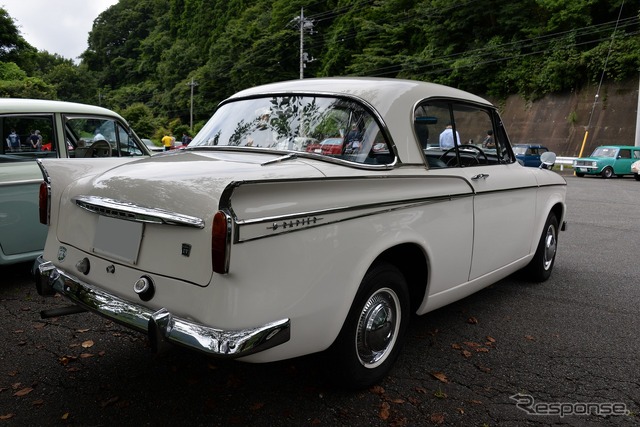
(259, 250)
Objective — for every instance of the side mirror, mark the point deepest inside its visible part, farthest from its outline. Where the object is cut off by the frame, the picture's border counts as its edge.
(547, 160)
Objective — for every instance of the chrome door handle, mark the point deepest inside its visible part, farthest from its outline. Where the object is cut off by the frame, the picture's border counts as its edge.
(480, 176)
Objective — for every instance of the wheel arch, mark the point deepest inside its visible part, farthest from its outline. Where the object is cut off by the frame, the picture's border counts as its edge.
(412, 262)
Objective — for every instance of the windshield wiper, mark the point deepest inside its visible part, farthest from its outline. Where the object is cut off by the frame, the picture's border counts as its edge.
(280, 159)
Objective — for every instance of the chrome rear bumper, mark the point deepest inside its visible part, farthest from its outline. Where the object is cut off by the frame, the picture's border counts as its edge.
(161, 326)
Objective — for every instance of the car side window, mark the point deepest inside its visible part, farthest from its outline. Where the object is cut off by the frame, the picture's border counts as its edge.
(624, 154)
(99, 137)
(636, 154)
(459, 135)
(27, 136)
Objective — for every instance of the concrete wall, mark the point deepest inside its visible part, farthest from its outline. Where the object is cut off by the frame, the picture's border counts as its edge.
(560, 121)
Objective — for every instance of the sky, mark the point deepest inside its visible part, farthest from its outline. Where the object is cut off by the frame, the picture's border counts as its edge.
(57, 26)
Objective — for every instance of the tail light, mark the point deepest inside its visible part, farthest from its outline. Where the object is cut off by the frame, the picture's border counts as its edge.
(44, 200)
(221, 242)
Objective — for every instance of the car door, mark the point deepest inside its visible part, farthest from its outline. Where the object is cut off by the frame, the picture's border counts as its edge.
(622, 164)
(504, 192)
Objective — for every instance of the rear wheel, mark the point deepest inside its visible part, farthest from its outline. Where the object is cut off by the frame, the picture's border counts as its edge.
(606, 172)
(540, 267)
(636, 176)
(373, 333)
(579, 174)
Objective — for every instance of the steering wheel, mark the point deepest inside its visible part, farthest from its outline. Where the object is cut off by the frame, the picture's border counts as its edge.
(99, 148)
(469, 147)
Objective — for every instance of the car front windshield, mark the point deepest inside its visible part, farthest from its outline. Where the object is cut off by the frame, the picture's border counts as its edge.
(326, 126)
(520, 151)
(604, 152)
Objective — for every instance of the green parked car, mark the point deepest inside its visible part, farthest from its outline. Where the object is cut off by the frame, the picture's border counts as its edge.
(607, 161)
(34, 129)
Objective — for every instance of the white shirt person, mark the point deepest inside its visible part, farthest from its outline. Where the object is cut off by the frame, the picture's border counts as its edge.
(446, 138)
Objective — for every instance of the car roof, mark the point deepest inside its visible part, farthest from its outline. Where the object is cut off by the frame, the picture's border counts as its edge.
(618, 146)
(387, 91)
(21, 105)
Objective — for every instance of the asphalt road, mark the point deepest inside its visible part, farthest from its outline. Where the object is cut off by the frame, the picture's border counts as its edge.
(514, 354)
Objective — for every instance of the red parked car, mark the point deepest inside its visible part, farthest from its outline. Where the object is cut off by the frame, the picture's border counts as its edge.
(328, 146)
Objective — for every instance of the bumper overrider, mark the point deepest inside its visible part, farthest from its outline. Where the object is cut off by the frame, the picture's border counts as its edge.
(162, 327)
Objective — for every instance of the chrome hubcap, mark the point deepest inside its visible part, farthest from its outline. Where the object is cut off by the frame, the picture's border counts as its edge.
(549, 246)
(378, 327)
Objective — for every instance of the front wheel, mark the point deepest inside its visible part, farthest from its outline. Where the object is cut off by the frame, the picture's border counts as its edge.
(373, 332)
(636, 176)
(579, 174)
(540, 267)
(606, 172)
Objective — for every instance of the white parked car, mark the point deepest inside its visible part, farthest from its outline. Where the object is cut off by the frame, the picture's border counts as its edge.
(262, 253)
(36, 129)
(635, 170)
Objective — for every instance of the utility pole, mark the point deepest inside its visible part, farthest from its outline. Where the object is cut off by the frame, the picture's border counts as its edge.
(192, 84)
(304, 24)
(301, 43)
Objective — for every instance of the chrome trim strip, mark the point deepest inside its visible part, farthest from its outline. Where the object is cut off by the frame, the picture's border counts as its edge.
(161, 325)
(311, 219)
(26, 181)
(130, 212)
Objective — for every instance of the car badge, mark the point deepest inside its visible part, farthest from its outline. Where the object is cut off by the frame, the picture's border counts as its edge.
(186, 249)
(62, 253)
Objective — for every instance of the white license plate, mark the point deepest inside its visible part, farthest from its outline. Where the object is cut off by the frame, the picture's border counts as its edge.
(118, 239)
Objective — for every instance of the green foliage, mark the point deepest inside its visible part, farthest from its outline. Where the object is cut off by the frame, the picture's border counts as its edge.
(140, 117)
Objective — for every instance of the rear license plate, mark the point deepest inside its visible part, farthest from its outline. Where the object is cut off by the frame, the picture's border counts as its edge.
(118, 239)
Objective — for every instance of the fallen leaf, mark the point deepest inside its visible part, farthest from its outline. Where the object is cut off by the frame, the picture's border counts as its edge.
(86, 355)
(23, 392)
(65, 360)
(397, 401)
(530, 337)
(38, 402)
(472, 321)
(87, 344)
(83, 330)
(65, 416)
(440, 377)
(460, 411)
(482, 350)
(7, 416)
(421, 390)
(466, 353)
(18, 331)
(385, 411)
(38, 326)
(476, 402)
(376, 389)
(491, 339)
(456, 346)
(109, 401)
(472, 344)
(437, 418)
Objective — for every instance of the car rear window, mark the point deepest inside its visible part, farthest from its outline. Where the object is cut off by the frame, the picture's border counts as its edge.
(325, 126)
